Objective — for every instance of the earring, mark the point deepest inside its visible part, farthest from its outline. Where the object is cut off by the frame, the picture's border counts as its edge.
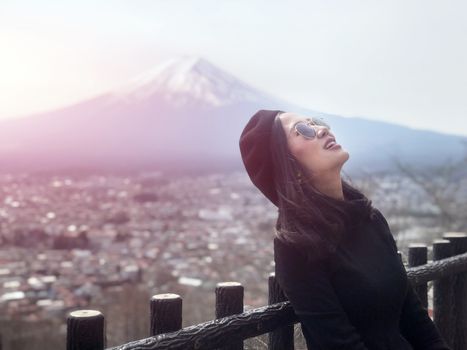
(299, 176)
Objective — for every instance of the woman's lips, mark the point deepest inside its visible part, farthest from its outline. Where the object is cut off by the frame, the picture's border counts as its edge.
(335, 146)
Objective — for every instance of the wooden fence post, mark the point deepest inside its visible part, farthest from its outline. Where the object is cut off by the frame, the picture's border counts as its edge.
(85, 330)
(443, 294)
(229, 301)
(418, 255)
(165, 313)
(459, 242)
(282, 338)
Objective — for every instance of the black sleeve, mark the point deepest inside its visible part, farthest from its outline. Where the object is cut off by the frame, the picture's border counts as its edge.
(325, 324)
(415, 323)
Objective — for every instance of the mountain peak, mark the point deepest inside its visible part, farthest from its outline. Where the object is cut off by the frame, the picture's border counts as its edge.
(189, 76)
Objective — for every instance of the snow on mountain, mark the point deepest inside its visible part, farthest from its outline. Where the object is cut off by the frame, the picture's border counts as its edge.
(190, 77)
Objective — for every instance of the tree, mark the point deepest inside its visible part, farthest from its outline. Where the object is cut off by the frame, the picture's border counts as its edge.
(445, 185)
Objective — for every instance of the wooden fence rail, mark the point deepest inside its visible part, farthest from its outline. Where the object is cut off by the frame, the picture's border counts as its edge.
(447, 270)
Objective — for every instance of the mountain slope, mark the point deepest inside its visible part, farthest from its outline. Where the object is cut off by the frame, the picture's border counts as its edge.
(188, 112)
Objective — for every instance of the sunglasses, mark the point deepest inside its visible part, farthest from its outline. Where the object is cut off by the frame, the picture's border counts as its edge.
(307, 130)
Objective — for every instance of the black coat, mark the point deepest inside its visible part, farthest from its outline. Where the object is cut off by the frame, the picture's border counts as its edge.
(360, 299)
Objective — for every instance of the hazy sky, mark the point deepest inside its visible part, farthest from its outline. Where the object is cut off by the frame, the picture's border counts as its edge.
(398, 61)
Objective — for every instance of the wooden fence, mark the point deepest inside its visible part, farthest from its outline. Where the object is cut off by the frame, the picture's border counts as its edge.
(447, 270)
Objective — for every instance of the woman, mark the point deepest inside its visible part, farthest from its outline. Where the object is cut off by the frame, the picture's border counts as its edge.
(335, 257)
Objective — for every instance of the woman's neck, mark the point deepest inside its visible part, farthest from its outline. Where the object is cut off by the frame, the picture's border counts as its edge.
(330, 185)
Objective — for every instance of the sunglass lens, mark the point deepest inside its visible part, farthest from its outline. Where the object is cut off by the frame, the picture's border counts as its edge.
(306, 130)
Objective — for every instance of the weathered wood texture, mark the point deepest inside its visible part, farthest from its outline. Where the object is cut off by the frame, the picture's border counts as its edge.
(437, 269)
(443, 294)
(219, 332)
(418, 255)
(232, 325)
(85, 330)
(254, 322)
(229, 301)
(281, 338)
(459, 242)
(165, 313)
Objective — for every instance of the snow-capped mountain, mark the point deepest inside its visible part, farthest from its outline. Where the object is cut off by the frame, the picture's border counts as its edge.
(187, 112)
(189, 77)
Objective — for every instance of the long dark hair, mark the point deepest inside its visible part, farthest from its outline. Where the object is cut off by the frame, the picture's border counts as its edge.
(308, 218)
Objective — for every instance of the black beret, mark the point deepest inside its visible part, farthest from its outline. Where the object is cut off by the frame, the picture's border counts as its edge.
(255, 143)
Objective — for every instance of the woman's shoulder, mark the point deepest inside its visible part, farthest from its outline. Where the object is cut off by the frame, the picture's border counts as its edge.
(383, 228)
(380, 220)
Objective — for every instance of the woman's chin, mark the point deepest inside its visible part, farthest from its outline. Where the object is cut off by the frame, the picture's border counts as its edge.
(345, 156)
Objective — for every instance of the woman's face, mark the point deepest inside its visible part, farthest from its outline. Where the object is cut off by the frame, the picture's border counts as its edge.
(311, 152)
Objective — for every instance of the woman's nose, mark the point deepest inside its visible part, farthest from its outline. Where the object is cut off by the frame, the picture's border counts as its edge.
(323, 131)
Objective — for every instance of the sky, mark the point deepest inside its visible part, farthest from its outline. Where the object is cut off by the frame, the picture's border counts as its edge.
(397, 61)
